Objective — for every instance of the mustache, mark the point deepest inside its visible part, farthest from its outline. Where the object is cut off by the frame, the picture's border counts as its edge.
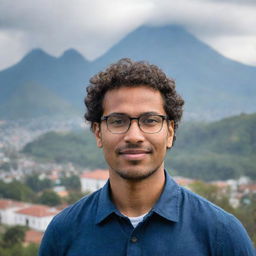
(130, 146)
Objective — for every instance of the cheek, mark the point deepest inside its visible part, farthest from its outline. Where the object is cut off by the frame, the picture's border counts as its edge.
(109, 143)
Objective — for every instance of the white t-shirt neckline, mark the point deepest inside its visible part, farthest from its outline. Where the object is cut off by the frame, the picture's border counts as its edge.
(136, 220)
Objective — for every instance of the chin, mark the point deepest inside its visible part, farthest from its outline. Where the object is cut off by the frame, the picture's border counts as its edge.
(135, 174)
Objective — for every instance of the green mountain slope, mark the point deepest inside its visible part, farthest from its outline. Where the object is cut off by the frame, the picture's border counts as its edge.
(32, 100)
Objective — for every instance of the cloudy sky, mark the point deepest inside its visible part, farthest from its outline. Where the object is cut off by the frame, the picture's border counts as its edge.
(93, 26)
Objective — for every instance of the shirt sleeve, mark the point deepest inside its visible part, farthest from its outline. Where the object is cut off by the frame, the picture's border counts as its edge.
(235, 240)
(49, 245)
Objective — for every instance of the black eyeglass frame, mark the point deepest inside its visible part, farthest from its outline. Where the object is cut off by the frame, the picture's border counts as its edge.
(105, 118)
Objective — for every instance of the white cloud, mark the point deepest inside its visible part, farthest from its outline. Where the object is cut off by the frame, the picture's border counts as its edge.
(94, 26)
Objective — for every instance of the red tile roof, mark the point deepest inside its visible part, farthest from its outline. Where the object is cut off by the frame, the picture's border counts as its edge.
(220, 184)
(249, 187)
(7, 203)
(97, 175)
(33, 236)
(38, 211)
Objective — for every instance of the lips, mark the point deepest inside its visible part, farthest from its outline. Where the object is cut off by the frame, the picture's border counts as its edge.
(133, 153)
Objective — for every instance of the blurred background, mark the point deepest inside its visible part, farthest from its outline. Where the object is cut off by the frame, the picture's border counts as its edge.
(48, 52)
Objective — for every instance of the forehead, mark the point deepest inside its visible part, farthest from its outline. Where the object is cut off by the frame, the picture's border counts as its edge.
(133, 101)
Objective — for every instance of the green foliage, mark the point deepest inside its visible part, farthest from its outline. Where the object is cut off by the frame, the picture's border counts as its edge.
(49, 198)
(16, 191)
(19, 250)
(13, 235)
(5, 166)
(246, 213)
(37, 184)
(31, 250)
(71, 183)
(77, 147)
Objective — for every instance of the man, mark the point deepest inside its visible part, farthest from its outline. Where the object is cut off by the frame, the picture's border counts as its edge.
(134, 112)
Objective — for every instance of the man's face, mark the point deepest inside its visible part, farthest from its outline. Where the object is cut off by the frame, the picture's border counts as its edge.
(134, 155)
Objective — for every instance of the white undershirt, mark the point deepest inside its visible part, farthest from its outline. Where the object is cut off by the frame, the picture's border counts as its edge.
(136, 220)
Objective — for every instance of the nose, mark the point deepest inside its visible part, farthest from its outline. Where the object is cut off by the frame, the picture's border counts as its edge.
(134, 134)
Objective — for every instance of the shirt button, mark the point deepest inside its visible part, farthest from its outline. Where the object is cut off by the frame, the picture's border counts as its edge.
(134, 239)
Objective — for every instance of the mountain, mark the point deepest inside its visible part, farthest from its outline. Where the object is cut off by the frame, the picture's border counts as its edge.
(65, 76)
(32, 100)
(213, 86)
(210, 151)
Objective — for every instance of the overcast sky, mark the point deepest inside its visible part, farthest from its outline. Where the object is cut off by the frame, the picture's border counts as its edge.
(93, 26)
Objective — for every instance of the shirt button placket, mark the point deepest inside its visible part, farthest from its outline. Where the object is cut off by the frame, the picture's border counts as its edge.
(133, 248)
(134, 239)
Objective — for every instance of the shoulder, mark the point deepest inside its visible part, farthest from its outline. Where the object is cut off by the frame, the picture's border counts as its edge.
(231, 237)
(64, 226)
(197, 204)
(84, 208)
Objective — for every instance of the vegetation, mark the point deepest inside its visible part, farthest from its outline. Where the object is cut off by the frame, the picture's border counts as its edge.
(77, 147)
(11, 243)
(71, 183)
(40, 191)
(219, 150)
(16, 191)
(49, 198)
(36, 184)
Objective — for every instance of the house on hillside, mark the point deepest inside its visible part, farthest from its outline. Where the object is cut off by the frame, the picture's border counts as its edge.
(92, 181)
(36, 217)
(7, 210)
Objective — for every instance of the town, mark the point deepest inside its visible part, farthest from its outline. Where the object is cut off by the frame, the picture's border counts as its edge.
(55, 186)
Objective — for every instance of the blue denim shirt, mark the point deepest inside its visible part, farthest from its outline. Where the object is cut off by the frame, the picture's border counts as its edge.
(180, 224)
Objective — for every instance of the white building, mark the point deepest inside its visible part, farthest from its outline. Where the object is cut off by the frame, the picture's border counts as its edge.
(8, 209)
(35, 217)
(92, 181)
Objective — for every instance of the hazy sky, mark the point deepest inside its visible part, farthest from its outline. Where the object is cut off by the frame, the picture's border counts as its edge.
(93, 26)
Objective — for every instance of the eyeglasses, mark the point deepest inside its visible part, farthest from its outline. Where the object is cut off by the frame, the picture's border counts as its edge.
(148, 123)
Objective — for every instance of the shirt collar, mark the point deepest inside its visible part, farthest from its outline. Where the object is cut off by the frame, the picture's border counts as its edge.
(105, 205)
(167, 205)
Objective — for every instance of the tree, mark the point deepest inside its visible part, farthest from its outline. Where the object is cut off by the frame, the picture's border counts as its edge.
(13, 235)
(71, 183)
(16, 191)
(37, 184)
(31, 250)
(50, 198)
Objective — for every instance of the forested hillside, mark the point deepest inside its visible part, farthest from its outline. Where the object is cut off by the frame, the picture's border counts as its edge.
(209, 151)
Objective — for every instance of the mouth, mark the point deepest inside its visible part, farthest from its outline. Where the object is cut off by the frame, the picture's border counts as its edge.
(134, 154)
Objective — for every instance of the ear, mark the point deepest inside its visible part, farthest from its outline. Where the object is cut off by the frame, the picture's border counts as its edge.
(97, 132)
(170, 133)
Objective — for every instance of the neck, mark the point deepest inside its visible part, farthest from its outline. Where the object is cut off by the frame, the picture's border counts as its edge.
(135, 198)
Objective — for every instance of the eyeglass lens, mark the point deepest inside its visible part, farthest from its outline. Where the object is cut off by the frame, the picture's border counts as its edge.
(147, 123)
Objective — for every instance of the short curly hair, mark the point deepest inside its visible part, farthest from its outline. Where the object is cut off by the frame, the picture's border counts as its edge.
(129, 73)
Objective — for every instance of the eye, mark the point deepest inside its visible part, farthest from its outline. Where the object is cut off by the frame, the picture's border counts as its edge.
(150, 120)
(117, 121)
